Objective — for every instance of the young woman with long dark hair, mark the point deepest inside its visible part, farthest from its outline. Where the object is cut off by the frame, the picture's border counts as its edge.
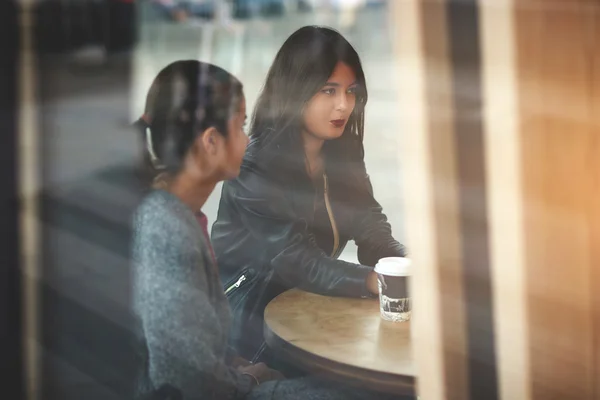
(193, 138)
(303, 191)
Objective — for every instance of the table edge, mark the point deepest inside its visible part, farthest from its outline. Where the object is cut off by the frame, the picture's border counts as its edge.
(374, 380)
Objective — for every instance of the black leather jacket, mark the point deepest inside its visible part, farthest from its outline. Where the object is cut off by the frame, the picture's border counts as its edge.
(277, 230)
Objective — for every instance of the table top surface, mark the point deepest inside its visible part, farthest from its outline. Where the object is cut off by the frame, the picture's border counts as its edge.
(348, 332)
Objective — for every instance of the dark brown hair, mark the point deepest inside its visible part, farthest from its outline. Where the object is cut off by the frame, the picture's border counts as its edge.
(301, 67)
(186, 98)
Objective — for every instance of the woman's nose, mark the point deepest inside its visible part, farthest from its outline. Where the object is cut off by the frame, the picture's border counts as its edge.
(342, 103)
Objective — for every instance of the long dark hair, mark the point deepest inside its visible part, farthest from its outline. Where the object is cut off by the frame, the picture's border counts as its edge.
(186, 98)
(300, 69)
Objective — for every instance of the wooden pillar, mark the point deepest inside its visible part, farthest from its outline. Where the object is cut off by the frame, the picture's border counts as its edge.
(558, 81)
(501, 125)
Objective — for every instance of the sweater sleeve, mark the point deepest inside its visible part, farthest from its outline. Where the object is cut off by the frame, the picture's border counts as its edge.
(182, 331)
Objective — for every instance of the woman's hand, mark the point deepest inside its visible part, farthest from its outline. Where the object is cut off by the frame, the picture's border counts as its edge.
(240, 362)
(261, 372)
(372, 283)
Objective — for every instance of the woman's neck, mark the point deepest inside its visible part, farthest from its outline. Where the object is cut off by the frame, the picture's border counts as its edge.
(193, 194)
(312, 151)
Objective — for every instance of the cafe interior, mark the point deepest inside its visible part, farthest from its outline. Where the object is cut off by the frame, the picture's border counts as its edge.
(482, 148)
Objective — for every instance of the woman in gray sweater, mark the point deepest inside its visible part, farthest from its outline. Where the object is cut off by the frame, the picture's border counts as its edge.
(194, 138)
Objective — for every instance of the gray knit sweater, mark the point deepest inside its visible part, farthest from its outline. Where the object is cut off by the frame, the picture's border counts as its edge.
(179, 300)
(185, 316)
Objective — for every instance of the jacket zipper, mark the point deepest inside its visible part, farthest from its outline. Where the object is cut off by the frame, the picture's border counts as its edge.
(336, 236)
(236, 284)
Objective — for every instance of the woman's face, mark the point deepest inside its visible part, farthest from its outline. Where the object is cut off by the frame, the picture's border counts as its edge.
(326, 114)
(218, 157)
(236, 142)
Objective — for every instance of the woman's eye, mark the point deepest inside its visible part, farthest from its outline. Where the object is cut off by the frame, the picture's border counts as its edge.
(328, 91)
(352, 90)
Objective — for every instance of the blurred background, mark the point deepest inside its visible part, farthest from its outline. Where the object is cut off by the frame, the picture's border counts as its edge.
(482, 143)
(90, 64)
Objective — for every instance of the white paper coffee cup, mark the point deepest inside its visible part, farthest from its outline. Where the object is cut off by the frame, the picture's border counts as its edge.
(393, 275)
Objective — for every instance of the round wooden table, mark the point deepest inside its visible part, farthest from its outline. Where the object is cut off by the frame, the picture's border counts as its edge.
(342, 339)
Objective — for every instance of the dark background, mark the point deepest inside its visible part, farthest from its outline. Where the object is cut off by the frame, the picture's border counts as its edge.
(11, 379)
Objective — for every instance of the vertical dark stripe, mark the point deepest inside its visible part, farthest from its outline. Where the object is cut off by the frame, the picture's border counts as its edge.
(85, 355)
(463, 25)
(11, 383)
(440, 131)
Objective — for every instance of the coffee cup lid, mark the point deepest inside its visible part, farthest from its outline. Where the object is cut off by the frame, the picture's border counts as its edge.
(394, 266)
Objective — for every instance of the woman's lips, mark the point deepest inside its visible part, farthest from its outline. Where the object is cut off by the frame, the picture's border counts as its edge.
(338, 123)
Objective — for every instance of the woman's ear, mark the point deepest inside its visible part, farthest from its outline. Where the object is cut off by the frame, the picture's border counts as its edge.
(208, 150)
(210, 140)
